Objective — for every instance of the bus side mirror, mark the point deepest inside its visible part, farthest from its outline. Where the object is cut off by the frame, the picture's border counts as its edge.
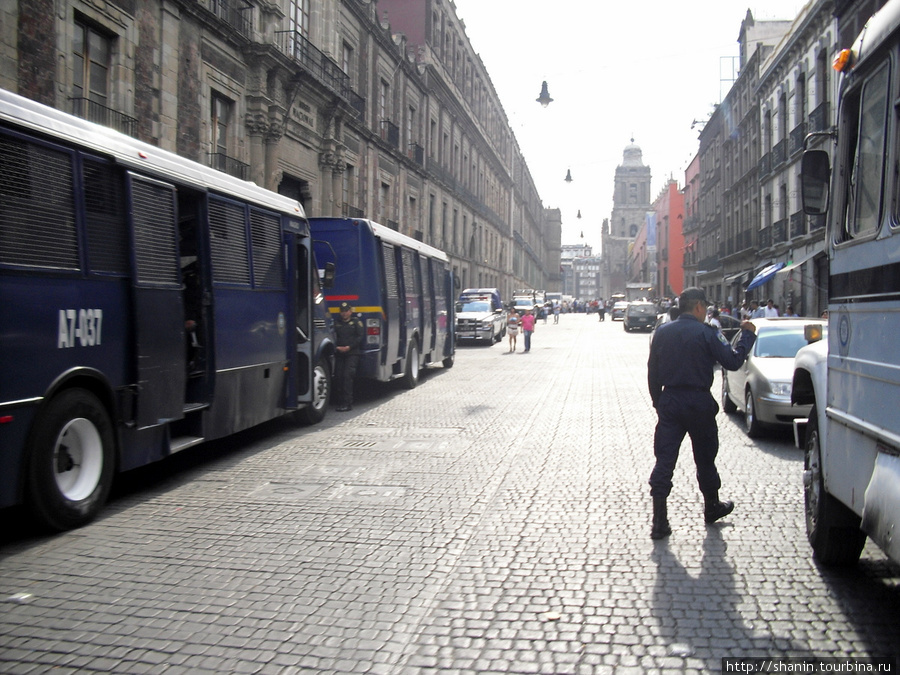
(815, 176)
(328, 276)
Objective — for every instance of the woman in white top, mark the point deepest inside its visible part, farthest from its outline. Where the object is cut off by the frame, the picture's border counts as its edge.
(512, 328)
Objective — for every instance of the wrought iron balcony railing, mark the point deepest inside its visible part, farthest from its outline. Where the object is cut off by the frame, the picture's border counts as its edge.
(320, 66)
(229, 165)
(236, 14)
(99, 113)
(798, 224)
(818, 118)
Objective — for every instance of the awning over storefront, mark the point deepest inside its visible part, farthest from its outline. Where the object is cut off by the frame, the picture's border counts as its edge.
(764, 275)
(739, 278)
(804, 259)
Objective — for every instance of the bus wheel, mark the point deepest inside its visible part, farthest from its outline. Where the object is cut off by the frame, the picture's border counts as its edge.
(832, 528)
(448, 362)
(411, 376)
(70, 461)
(315, 411)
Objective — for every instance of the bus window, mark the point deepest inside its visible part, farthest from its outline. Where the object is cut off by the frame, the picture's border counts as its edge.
(863, 206)
(36, 186)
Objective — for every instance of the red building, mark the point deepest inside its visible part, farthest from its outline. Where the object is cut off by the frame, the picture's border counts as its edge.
(669, 210)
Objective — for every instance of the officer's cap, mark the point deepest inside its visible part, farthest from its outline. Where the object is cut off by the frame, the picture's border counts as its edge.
(345, 307)
(691, 295)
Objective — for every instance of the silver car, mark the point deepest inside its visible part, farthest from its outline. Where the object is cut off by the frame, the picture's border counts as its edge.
(761, 388)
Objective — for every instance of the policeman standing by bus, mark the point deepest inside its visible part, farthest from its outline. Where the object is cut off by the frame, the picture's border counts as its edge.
(683, 355)
(348, 335)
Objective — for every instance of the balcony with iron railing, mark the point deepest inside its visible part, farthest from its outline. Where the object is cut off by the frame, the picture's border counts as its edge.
(229, 165)
(390, 132)
(99, 113)
(765, 165)
(237, 14)
(798, 135)
(780, 231)
(349, 211)
(765, 238)
(816, 223)
(779, 153)
(798, 224)
(819, 118)
(320, 66)
(416, 153)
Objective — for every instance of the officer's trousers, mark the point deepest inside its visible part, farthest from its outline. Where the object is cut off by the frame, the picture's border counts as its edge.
(692, 412)
(344, 375)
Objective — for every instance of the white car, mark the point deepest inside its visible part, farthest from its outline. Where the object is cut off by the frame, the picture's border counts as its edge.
(761, 387)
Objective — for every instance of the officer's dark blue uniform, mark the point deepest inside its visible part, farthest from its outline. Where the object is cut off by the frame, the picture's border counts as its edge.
(680, 373)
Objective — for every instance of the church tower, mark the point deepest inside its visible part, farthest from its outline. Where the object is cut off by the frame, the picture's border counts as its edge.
(631, 201)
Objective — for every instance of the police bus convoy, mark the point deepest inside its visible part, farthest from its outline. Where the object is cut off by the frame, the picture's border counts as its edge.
(348, 335)
(680, 373)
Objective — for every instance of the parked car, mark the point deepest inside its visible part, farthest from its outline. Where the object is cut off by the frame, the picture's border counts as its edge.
(761, 388)
(521, 304)
(639, 316)
(618, 310)
(480, 315)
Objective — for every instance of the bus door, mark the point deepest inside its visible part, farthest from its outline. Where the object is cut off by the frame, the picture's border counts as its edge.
(158, 321)
(298, 268)
(393, 328)
(412, 287)
(426, 284)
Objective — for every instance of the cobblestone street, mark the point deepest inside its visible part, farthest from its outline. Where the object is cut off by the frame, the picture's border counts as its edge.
(495, 519)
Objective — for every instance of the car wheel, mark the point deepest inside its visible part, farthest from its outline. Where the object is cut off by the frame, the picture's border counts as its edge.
(318, 407)
(727, 404)
(831, 528)
(411, 376)
(70, 461)
(751, 424)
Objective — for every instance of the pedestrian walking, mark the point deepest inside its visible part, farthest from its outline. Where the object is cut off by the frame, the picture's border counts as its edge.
(680, 373)
(556, 310)
(528, 322)
(348, 336)
(512, 328)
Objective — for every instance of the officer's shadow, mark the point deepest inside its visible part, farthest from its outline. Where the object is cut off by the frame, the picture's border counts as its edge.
(697, 608)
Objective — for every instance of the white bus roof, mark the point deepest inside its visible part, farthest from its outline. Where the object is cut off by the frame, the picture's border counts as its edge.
(878, 28)
(394, 237)
(135, 154)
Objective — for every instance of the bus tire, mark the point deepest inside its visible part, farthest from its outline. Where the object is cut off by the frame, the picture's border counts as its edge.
(411, 375)
(71, 461)
(448, 362)
(318, 407)
(832, 528)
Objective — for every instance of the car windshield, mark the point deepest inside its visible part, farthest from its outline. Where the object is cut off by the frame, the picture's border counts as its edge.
(524, 303)
(645, 310)
(779, 343)
(477, 306)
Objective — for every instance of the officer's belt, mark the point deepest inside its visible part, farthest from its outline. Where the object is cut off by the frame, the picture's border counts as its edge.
(676, 387)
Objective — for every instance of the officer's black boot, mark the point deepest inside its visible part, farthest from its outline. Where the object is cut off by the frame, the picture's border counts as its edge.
(714, 508)
(661, 528)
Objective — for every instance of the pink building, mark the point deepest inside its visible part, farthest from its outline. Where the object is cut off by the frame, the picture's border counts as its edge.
(669, 210)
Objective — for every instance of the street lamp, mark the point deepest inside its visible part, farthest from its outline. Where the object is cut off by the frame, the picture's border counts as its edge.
(544, 99)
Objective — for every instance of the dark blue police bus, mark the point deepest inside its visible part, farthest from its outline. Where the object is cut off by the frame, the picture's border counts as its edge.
(402, 290)
(149, 304)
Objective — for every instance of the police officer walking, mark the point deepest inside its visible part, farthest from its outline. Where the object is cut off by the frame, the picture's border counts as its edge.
(683, 355)
(348, 334)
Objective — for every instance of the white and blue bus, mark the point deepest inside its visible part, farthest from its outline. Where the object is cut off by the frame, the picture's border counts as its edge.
(149, 304)
(852, 439)
(402, 289)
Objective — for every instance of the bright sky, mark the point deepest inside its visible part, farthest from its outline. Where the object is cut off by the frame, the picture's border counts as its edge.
(640, 68)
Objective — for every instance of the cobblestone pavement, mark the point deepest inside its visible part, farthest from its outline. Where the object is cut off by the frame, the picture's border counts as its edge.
(493, 520)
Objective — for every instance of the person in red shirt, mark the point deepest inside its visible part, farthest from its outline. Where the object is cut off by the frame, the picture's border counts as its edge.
(528, 328)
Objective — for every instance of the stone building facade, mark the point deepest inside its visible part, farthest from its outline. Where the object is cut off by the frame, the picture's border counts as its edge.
(325, 101)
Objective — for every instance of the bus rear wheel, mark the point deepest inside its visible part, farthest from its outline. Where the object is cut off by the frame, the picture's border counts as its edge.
(70, 461)
(321, 395)
(832, 528)
(411, 375)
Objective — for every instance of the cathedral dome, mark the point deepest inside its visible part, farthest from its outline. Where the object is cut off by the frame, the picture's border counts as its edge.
(632, 155)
